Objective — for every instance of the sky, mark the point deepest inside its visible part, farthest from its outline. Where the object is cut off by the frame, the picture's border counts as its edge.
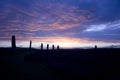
(68, 23)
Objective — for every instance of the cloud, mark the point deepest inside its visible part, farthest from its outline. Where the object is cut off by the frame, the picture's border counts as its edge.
(96, 28)
(61, 16)
(37, 19)
(91, 19)
(105, 32)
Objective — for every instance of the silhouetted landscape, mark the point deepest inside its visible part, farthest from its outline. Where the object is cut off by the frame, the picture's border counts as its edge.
(59, 64)
(59, 39)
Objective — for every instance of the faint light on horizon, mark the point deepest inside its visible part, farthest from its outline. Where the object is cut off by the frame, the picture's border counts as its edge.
(63, 44)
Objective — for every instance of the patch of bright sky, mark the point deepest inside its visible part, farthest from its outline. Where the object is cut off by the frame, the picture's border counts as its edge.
(96, 28)
(63, 45)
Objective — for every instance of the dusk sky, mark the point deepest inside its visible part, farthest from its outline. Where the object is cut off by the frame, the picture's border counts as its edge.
(68, 23)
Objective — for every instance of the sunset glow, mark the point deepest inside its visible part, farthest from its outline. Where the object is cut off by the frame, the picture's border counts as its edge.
(68, 23)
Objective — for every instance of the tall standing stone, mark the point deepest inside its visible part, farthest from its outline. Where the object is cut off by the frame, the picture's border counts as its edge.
(53, 47)
(13, 42)
(30, 44)
(41, 46)
(47, 46)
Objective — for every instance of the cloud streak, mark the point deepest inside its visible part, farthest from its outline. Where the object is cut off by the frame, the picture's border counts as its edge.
(82, 19)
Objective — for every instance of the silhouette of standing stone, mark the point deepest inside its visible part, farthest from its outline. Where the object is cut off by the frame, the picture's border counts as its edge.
(30, 44)
(58, 47)
(95, 46)
(53, 47)
(41, 46)
(13, 42)
(47, 46)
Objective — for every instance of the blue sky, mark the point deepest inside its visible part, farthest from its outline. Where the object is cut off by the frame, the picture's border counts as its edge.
(69, 23)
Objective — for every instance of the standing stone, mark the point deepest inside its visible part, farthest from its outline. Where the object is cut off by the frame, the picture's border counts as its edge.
(13, 42)
(30, 44)
(47, 46)
(41, 46)
(58, 47)
(53, 47)
(95, 46)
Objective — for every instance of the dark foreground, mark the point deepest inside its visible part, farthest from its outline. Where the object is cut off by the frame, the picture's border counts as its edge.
(89, 64)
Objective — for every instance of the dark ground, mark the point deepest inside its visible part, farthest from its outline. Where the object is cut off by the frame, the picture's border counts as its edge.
(88, 64)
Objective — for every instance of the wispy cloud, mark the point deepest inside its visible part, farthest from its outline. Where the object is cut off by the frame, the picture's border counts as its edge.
(96, 28)
(91, 19)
